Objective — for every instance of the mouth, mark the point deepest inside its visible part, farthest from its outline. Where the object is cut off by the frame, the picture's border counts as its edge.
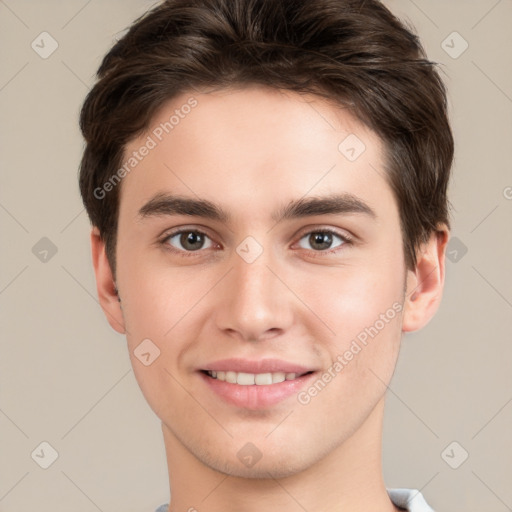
(255, 391)
(254, 379)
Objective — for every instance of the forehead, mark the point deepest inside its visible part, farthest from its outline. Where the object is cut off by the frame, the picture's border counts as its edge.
(250, 147)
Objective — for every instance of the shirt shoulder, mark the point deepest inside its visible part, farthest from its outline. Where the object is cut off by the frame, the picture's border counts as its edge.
(409, 499)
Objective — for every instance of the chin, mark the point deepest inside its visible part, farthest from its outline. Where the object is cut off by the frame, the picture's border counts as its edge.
(271, 462)
(261, 470)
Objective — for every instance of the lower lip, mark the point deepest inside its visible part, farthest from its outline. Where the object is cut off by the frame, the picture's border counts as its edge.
(254, 396)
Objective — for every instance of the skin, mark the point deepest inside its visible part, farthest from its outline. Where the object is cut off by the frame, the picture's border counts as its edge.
(252, 150)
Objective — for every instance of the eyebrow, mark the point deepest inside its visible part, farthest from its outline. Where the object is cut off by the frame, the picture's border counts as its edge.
(163, 204)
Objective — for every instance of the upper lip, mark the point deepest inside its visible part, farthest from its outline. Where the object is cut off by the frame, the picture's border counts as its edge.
(256, 366)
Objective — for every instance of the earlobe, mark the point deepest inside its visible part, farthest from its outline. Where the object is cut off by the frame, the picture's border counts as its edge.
(425, 283)
(105, 285)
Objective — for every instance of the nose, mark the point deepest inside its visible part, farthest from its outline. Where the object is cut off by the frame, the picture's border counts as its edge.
(254, 303)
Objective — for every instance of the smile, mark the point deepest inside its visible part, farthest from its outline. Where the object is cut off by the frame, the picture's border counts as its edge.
(251, 379)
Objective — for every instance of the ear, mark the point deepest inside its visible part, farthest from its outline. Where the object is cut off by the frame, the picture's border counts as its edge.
(105, 285)
(425, 283)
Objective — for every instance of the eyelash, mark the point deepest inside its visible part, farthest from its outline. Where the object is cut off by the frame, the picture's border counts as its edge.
(346, 239)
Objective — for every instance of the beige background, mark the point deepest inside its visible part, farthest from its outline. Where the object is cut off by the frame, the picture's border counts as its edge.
(65, 376)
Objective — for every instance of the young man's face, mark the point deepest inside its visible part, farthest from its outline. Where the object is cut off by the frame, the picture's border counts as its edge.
(258, 285)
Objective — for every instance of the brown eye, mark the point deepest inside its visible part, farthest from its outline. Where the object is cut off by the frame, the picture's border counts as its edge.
(322, 240)
(189, 240)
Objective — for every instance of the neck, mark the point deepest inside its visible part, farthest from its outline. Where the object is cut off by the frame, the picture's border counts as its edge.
(348, 478)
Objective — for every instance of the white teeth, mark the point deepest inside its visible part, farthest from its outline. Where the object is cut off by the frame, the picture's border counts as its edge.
(231, 377)
(245, 379)
(249, 379)
(279, 377)
(263, 379)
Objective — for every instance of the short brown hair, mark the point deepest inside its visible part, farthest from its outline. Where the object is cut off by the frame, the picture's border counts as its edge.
(354, 53)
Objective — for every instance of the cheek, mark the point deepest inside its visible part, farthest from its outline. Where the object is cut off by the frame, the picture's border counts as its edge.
(350, 299)
(160, 317)
(158, 298)
(365, 315)
(362, 305)
(165, 306)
